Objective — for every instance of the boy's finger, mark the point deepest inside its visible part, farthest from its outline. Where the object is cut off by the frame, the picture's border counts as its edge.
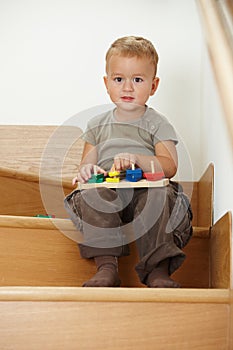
(102, 171)
(74, 181)
(127, 163)
(112, 167)
(117, 163)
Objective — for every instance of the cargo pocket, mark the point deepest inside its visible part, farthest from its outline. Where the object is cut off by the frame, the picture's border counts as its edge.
(180, 219)
(72, 207)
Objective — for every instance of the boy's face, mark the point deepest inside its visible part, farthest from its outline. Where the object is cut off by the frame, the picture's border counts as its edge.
(130, 81)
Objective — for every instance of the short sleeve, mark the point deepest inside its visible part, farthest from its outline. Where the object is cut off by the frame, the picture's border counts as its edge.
(164, 132)
(89, 134)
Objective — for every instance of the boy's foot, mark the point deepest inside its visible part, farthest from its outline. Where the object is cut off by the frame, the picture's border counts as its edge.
(158, 280)
(106, 276)
(107, 272)
(159, 277)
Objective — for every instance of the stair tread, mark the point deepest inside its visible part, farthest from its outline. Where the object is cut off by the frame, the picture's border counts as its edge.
(168, 295)
(64, 224)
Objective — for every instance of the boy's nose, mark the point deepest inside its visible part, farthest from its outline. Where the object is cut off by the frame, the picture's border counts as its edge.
(128, 85)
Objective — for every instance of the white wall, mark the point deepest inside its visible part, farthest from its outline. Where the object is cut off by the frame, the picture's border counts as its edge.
(52, 60)
(216, 145)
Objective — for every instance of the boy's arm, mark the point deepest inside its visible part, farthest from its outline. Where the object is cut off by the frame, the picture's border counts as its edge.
(166, 159)
(86, 167)
(89, 154)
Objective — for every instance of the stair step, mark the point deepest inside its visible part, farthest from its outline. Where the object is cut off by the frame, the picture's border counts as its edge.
(113, 318)
(80, 294)
(36, 253)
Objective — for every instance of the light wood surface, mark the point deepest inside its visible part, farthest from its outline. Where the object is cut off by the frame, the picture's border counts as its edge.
(221, 253)
(24, 197)
(125, 184)
(25, 149)
(37, 166)
(205, 198)
(231, 321)
(158, 295)
(113, 325)
(39, 162)
(44, 252)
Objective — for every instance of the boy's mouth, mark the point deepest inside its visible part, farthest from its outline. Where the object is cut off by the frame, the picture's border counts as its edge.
(127, 98)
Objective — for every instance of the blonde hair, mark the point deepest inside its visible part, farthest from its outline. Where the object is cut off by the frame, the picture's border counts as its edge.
(130, 46)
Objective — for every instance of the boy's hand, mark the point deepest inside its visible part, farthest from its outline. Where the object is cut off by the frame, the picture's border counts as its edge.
(124, 161)
(85, 172)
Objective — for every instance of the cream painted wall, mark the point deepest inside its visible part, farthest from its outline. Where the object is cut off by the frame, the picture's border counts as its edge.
(216, 145)
(52, 61)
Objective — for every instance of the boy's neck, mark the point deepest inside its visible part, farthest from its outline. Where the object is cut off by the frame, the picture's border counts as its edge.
(124, 115)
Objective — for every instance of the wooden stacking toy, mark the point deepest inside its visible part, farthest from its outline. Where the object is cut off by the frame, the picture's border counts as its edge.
(96, 178)
(153, 176)
(115, 176)
(133, 174)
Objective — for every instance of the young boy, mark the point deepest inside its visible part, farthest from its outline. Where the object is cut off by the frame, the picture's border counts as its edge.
(131, 133)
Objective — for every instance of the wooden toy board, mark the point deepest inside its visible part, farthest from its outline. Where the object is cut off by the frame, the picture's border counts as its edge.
(125, 184)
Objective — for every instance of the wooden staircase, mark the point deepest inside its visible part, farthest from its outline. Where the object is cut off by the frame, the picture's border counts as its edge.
(42, 303)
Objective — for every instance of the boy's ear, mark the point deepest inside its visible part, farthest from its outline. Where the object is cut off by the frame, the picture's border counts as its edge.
(106, 82)
(154, 86)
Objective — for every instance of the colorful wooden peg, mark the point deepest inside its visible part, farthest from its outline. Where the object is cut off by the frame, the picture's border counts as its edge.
(112, 179)
(114, 176)
(121, 174)
(153, 176)
(133, 174)
(96, 178)
(114, 173)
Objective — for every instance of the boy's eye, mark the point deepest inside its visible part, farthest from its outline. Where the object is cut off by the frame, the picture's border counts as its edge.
(138, 80)
(118, 79)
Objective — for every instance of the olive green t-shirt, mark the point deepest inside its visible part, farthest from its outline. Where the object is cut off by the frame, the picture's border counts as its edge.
(138, 136)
